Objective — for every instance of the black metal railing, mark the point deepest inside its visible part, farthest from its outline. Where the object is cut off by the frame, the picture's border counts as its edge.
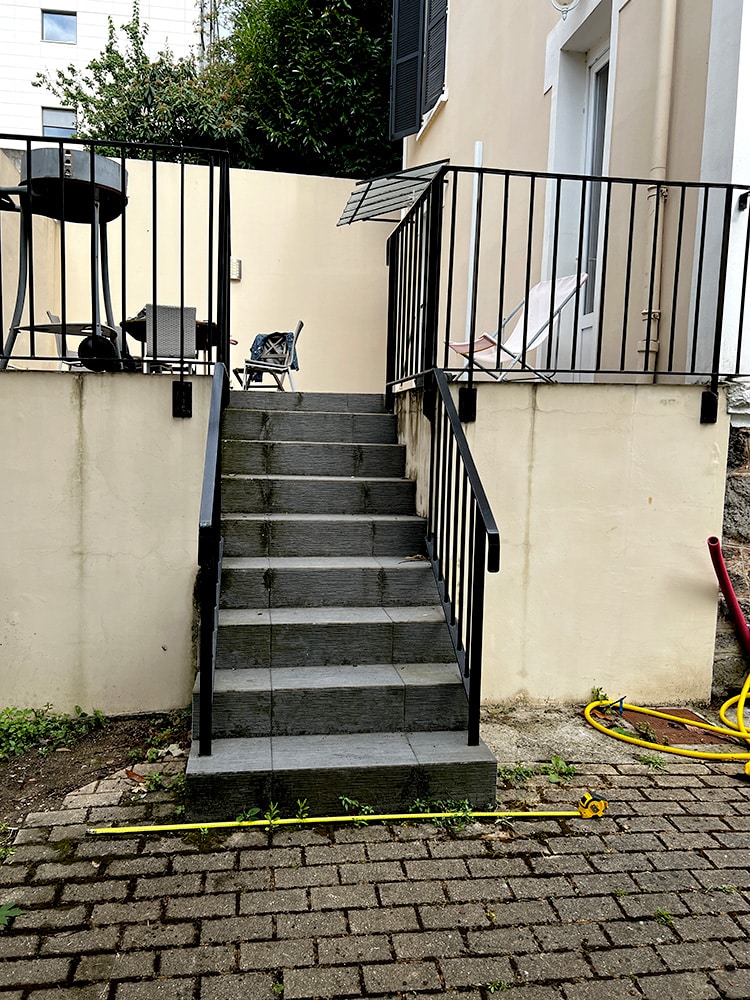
(654, 276)
(210, 556)
(169, 211)
(462, 538)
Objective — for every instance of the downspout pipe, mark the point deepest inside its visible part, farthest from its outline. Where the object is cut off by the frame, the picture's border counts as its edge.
(651, 313)
(733, 605)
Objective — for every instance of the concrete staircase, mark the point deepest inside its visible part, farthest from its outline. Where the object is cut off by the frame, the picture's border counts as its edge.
(335, 671)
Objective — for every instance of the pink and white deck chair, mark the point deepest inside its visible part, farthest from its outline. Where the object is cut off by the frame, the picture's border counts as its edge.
(539, 328)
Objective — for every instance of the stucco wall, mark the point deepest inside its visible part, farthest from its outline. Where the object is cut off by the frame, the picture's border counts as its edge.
(604, 496)
(98, 541)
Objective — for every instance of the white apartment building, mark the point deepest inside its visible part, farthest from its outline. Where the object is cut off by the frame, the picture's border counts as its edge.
(42, 37)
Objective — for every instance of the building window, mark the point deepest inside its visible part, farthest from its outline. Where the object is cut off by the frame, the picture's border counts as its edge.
(58, 122)
(59, 26)
(417, 62)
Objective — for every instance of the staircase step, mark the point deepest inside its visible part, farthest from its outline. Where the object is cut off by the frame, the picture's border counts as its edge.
(296, 701)
(308, 425)
(311, 494)
(330, 402)
(322, 534)
(321, 581)
(387, 771)
(313, 458)
(298, 637)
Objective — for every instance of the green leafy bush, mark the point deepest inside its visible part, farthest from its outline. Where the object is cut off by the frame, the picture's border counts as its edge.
(23, 729)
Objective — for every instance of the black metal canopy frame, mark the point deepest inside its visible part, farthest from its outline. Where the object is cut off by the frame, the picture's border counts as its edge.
(69, 186)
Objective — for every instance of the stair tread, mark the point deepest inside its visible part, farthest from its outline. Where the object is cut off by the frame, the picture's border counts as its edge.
(315, 479)
(344, 518)
(325, 562)
(333, 615)
(333, 752)
(344, 676)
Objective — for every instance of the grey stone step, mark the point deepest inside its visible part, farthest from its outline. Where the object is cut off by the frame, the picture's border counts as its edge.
(308, 425)
(296, 701)
(312, 494)
(323, 534)
(311, 458)
(321, 581)
(329, 402)
(385, 770)
(298, 637)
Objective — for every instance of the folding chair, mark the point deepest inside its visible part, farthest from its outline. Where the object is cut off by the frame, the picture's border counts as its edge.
(537, 329)
(274, 354)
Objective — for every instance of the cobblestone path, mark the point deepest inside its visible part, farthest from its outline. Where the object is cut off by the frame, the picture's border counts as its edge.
(652, 901)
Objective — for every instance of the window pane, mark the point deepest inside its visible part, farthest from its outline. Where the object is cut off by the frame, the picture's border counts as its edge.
(58, 27)
(58, 122)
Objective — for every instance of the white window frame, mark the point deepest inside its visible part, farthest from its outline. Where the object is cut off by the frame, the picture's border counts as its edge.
(63, 13)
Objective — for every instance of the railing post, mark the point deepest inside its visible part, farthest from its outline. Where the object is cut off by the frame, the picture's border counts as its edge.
(432, 284)
(710, 397)
(477, 625)
(391, 261)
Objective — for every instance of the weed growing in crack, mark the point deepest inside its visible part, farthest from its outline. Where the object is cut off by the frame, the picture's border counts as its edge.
(558, 770)
(663, 917)
(7, 912)
(652, 761)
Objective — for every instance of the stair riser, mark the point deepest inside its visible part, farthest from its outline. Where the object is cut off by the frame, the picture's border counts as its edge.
(300, 645)
(334, 402)
(328, 538)
(301, 496)
(309, 588)
(308, 711)
(255, 458)
(386, 788)
(259, 425)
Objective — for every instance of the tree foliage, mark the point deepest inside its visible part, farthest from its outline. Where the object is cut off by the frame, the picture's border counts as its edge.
(295, 85)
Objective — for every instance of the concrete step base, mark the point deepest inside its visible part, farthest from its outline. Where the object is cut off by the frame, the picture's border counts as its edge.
(280, 535)
(326, 581)
(298, 701)
(300, 637)
(387, 771)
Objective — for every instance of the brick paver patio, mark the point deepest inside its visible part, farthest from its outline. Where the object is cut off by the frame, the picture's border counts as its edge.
(652, 901)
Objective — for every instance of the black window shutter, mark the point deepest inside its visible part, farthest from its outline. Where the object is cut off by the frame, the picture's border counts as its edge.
(406, 67)
(434, 61)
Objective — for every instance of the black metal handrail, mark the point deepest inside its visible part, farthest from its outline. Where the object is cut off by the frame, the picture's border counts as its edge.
(210, 556)
(77, 182)
(462, 537)
(659, 271)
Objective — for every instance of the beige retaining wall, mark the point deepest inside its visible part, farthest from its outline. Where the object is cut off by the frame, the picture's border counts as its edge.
(98, 541)
(604, 496)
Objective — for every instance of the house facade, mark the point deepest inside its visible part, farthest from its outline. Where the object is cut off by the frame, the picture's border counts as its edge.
(601, 143)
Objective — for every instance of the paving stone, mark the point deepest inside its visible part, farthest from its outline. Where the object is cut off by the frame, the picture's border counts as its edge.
(461, 891)
(400, 976)
(271, 857)
(168, 885)
(303, 925)
(94, 991)
(335, 854)
(589, 908)
(453, 915)
(609, 989)
(568, 937)
(244, 881)
(373, 871)
(734, 985)
(720, 926)
(557, 965)
(18, 945)
(115, 965)
(126, 913)
(202, 862)
(239, 986)
(694, 955)
(285, 901)
(236, 929)
(686, 986)
(342, 982)
(597, 885)
(87, 892)
(355, 948)
(475, 971)
(467, 849)
(163, 989)
(197, 961)
(565, 864)
(290, 878)
(624, 961)
(159, 936)
(77, 942)
(397, 893)
(634, 933)
(287, 954)
(540, 887)
(193, 907)
(34, 971)
(646, 904)
(445, 868)
(342, 897)
(384, 920)
(427, 944)
(501, 867)
(43, 919)
(665, 881)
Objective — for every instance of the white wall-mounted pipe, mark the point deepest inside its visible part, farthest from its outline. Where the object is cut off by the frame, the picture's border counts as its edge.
(658, 173)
